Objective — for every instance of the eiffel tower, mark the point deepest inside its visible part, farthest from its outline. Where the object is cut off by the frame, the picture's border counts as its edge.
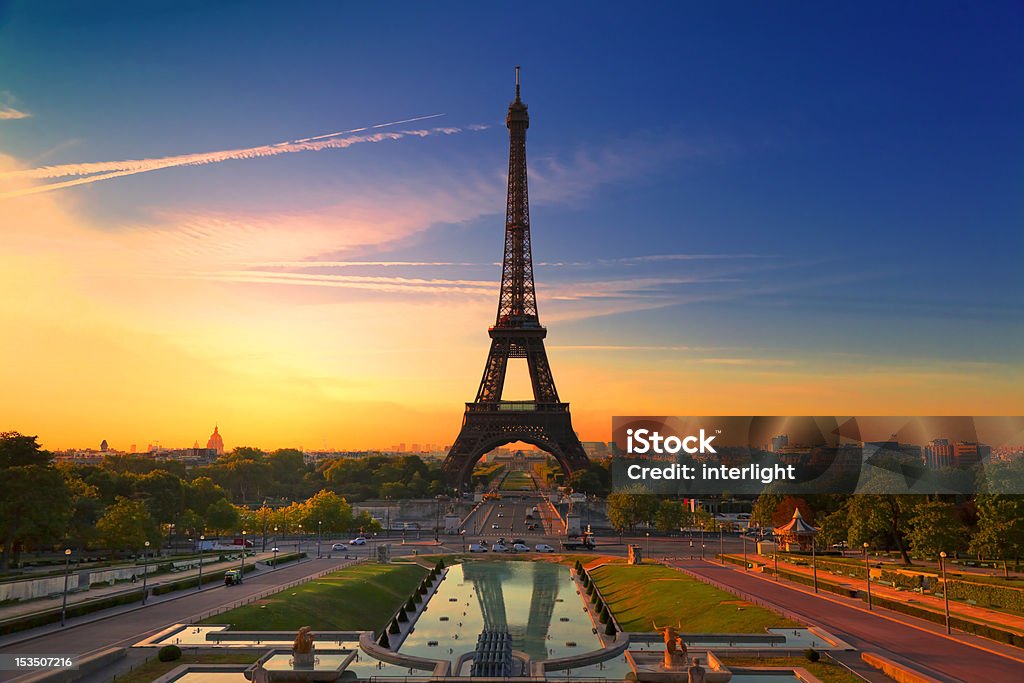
(490, 422)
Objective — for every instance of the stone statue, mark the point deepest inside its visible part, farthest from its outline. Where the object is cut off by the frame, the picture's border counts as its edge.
(302, 648)
(696, 673)
(675, 648)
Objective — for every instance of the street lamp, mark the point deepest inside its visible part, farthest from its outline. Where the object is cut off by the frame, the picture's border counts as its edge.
(202, 547)
(814, 563)
(275, 556)
(721, 543)
(647, 552)
(145, 570)
(702, 546)
(298, 544)
(867, 570)
(319, 534)
(945, 587)
(745, 552)
(241, 565)
(775, 557)
(64, 601)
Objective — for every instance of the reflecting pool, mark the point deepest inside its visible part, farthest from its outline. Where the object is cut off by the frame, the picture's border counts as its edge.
(536, 602)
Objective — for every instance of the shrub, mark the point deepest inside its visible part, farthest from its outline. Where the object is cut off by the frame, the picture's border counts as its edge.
(169, 653)
(812, 655)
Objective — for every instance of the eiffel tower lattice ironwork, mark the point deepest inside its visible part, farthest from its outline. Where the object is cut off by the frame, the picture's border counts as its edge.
(490, 422)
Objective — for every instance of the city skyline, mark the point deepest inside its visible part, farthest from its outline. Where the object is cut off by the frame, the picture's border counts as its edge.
(718, 226)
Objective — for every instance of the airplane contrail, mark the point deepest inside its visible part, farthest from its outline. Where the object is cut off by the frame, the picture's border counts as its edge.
(91, 172)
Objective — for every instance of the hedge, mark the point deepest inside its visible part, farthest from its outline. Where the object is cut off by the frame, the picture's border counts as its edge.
(191, 582)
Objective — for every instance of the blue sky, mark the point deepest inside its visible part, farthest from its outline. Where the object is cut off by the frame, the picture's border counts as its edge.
(849, 177)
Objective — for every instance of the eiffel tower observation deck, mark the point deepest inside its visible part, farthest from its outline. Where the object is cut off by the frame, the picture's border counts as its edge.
(490, 422)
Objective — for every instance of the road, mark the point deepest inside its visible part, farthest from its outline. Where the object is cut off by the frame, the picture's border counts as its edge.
(920, 648)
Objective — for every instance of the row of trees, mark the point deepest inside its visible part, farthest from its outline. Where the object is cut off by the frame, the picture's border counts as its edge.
(131, 499)
(985, 525)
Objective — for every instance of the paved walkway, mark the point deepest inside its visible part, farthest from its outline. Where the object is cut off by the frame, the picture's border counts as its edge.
(915, 643)
(935, 604)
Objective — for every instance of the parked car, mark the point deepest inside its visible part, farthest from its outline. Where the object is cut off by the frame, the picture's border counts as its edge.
(544, 548)
(337, 547)
(499, 548)
(477, 548)
(360, 540)
(521, 548)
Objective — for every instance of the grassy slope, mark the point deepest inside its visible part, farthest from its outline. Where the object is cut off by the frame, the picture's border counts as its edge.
(358, 597)
(643, 595)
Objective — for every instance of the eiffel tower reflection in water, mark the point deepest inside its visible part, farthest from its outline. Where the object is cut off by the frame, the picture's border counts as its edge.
(501, 589)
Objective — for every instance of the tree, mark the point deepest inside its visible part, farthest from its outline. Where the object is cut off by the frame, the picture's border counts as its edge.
(162, 493)
(327, 511)
(126, 525)
(670, 515)
(628, 508)
(35, 503)
(221, 516)
(880, 520)
(1000, 527)
(934, 527)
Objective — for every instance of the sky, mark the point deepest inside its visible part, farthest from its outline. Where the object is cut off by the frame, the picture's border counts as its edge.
(737, 208)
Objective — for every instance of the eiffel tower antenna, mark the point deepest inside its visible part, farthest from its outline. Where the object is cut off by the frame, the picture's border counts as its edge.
(490, 422)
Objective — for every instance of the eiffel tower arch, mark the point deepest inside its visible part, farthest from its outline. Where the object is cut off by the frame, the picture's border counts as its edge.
(490, 422)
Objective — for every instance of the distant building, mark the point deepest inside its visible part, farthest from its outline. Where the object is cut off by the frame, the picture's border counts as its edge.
(103, 446)
(938, 454)
(216, 443)
(970, 453)
(778, 443)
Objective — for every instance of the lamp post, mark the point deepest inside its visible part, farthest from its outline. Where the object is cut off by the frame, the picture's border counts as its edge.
(275, 555)
(814, 563)
(775, 559)
(867, 571)
(241, 565)
(647, 551)
(745, 552)
(721, 543)
(298, 544)
(202, 547)
(319, 535)
(702, 546)
(945, 587)
(64, 601)
(145, 570)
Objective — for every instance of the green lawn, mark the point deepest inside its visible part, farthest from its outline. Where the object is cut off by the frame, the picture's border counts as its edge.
(827, 672)
(361, 597)
(517, 481)
(154, 668)
(643, 595)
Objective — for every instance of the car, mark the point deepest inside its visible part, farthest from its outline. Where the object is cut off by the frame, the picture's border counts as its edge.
(521, 548)
(339, 546)
(477, 548)
(543, 548)
(499, 548)
(501, 514)
(494, 526)
(359, 540)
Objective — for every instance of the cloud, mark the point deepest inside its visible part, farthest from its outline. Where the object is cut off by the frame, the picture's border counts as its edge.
(9, 110)
(91, 172)
(10, 113)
